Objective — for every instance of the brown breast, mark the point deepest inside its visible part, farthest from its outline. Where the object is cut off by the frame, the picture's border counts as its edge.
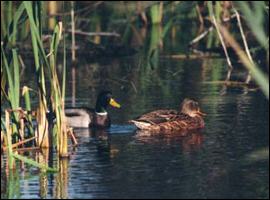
(101, 121)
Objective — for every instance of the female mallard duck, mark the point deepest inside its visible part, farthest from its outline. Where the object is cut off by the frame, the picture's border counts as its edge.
(92, 117)
(189, 118)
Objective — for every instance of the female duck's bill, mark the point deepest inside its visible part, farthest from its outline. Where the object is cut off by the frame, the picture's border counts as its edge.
(191, 108)
(83, 117)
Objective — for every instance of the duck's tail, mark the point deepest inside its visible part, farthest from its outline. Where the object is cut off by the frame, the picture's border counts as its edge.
(140, 124)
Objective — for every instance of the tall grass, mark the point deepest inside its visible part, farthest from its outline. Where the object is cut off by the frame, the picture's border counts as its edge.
(39, 53)
(27, 100)
(11, 73)
(57, 99)
(45, 66)
(254, 16)
(156, 12)
(57, 94)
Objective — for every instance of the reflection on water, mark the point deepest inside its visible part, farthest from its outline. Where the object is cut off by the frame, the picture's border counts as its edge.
(122, 163)
(191, 142)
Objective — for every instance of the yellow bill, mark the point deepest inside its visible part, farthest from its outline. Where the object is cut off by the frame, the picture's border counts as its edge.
(114, 103)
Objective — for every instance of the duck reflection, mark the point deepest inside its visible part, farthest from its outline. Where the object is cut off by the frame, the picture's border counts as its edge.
(187, 140)
(101, 138)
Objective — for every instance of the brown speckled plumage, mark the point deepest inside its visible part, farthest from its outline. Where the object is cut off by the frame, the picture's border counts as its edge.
(180, 122)
(169, 121)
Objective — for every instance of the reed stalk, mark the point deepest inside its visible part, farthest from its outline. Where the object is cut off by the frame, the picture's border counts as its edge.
(156, 13)
(11, 78)
(256, 73)
(34, 163)
(13, 93)
(38, 50)
(10, 158)
(3, 21)
(57, 99)
(254, 14)
(57, 95)
(9, 12)
(52, 10)
(248, 79)
(25, 93)
(73, 32)
(19, 143)
(215, 20)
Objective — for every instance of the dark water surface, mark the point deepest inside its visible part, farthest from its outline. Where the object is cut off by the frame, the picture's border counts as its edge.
(213, 163)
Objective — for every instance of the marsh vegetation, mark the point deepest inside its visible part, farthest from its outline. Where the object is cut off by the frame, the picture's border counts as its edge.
(151, 55)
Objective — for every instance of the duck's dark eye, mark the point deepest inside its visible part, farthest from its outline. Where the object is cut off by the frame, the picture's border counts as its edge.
(192, 105)
(108, 97)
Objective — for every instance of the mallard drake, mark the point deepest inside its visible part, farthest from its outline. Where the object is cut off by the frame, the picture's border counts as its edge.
(98, 117)
(188, 118)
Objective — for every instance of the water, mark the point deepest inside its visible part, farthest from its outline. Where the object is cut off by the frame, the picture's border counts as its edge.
(115, 163)
(215, 162)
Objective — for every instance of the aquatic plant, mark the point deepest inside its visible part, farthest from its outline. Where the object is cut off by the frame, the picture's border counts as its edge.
(257, 27)
(15, 119)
